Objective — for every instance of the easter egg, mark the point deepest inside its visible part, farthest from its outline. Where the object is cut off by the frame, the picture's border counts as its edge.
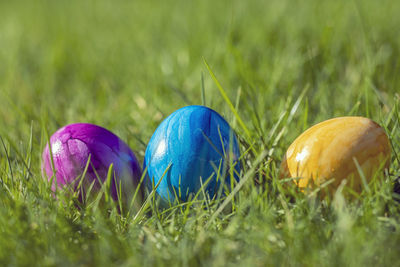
(74, 145)
(192, 148)
(339, 148)
(396, 188)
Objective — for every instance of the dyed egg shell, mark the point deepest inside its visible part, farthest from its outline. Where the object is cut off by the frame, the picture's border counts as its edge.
(71, 147)
(396, 188)
(195, 142)
(329, 150)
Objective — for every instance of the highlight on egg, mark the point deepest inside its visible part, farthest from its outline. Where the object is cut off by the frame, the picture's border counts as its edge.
(351, 148)
(192, 148)
(78, 145)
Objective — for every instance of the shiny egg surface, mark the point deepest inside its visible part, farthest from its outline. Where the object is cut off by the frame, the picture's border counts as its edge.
(338, 148)
(192, 147)
(74, 145)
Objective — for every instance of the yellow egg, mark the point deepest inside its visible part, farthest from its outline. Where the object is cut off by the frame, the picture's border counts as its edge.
(331, 149)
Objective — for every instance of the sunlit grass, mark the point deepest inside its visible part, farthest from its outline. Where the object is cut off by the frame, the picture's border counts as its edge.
(271, 68)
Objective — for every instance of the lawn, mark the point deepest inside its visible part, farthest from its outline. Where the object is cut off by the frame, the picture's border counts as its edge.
(276, 68)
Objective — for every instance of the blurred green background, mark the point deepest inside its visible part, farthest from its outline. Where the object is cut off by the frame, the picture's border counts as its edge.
(128, 64)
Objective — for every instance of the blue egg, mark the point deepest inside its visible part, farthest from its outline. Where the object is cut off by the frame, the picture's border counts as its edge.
(192, 146)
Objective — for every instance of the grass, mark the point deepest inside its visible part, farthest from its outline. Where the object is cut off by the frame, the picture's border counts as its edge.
(271, 68)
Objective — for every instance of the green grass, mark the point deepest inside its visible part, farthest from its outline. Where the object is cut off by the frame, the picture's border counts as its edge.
(278, 67)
